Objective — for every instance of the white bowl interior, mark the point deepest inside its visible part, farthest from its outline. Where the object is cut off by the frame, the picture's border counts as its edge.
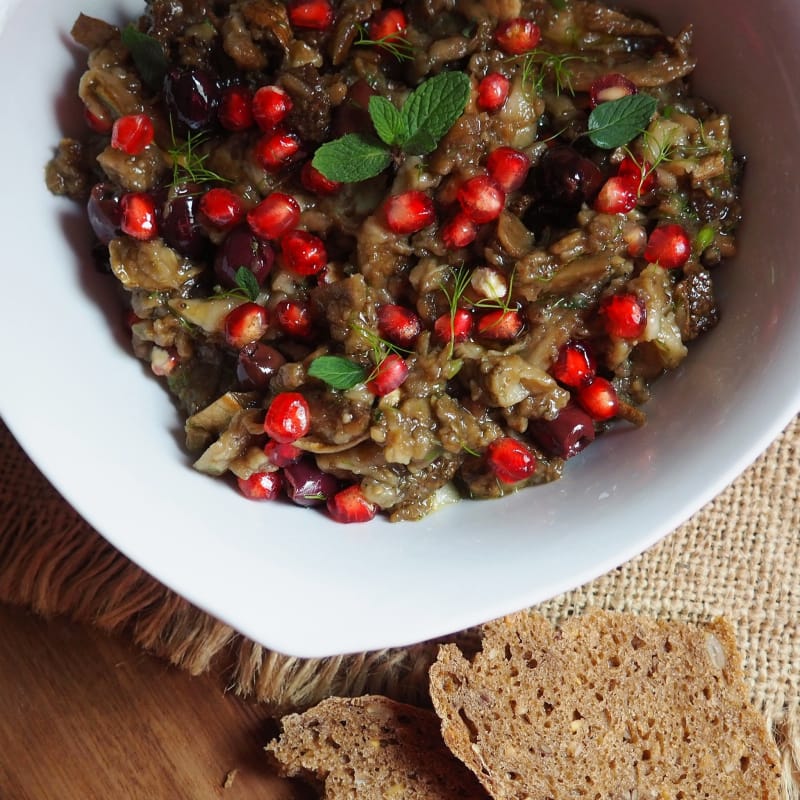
(107, 435)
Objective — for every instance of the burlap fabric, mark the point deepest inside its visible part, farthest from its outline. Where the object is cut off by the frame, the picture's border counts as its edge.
(738, 557)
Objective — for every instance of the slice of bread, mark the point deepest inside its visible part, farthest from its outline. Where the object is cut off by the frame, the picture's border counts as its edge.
(611, 706)
(371, 747)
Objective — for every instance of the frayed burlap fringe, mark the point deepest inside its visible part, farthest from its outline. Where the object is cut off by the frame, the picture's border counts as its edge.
(738, 557)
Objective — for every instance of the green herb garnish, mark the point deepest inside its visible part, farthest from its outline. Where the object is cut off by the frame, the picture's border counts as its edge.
(538, 64)
(415, 129)
(395, 44)
(337, 371)
(187, 162)
(617, 122)
(148, 55)
(246, 281)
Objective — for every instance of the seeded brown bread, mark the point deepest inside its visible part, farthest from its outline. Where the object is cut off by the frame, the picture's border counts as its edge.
(609, 707)
(369, 748)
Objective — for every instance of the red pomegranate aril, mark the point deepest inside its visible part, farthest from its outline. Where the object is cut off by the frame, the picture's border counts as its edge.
(668, 246)
(612, 86)
(502, 325)
(574, 365)
(643, 174)
(481, 199)
(275, 215)
(598, 399)
(398, 324)
(138, 216)
(315, 15)
(510, 460)
(493, 91)
(350, 505)
(313, 180)
(235, 112)
(618, 195)
(303, 252)
(460, 231)
(388, 25)
(288, 418)
(245, 324)
(276, 150)
(132, 133)
(261, 485)
(409, 212)
(271, 105)
(294, 318)
(517, 35)
(624, 315)
(388, 375)
(508, 168)
(102, 125)
(455, 328)
(282, 454)
(221, 208)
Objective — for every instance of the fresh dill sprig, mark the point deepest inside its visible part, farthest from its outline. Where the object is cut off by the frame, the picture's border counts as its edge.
(187, 162)
(394, 43)
(537, 65)
(461, 280)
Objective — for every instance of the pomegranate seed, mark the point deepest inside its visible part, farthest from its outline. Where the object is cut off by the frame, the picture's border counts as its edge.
(643, 174)
(388, 25)
(288, 418)
(276, 214)
(132, 133)
(501, 325)
(510, 460)
(294, 318)
(350, 505)
(245, 324)
(454, 329)
(260, 485)
(508, 168)
(574, 365)
(623, 315)
(518, 35)
(610, 87)
(221, 208)
(458, 232)
(138, 216)
(409, 212)
(388, 375)
(398, 324)
(493, 91)
(598, 398)
(271, 104)
(235, 112)
(277, 150)
(303, 252)
(481, 199)
(313, 180)
(282, 454)
(97, 124)
(315, 15)
(668, 246)
(618, 195)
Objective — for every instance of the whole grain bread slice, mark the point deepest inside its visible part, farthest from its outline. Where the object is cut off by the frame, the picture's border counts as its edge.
(371, 747)
(611, 706)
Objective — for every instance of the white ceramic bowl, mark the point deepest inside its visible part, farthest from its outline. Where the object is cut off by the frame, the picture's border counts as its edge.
(106, 434)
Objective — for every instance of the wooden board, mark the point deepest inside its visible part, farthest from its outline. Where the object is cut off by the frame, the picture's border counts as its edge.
(83, 715)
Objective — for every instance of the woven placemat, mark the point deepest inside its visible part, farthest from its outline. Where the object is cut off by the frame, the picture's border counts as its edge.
(737, 557)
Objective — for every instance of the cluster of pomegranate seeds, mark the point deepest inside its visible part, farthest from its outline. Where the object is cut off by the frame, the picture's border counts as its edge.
(288, 418)
(669, 246)
(304, 253)
(517, 36)
(132, 134)
(481, 199)
(501, 325)
(510, 460)
(388, 25)
(398, 324)
(350, 505)
(643, 173)
(138, 216)
(315, 15)
(294, 318)
(270, 106)
(454, 328)
(245, 324)
(508, 168)
(575, 365)
(459, 231)
(276, 214)
(493, 91)
(598, 398)
(612, 86)
(409, 212)
(389, 375)
(619, 195)
(624, 315)
(277, 150)
(221, 208)
(261, 485)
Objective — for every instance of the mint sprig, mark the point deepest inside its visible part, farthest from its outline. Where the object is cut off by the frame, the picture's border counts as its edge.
(337, 371)
(415, 129)
(617, 122)
(147, 53)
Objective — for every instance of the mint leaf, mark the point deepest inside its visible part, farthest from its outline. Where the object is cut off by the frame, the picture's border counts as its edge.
(421, 143)
(617, 122)
(351, 159)
(148, 55)
(247, 282)
(433, 107)
(387, 120)
(337, 371)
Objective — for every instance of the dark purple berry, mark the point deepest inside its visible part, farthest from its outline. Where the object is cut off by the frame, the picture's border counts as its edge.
(307, 485)
(256, 365)
(241, 248)
(192, 96)
(566, 435)
(179, 225)
(105, 214)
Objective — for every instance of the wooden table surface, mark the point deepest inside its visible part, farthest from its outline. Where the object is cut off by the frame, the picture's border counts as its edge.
(85, 716)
